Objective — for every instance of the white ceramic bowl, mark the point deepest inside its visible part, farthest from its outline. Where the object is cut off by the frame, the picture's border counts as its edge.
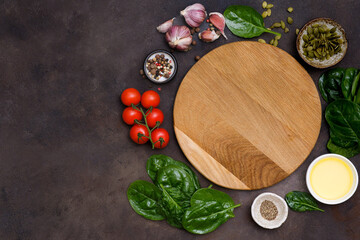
(280, 205)
(353, 187)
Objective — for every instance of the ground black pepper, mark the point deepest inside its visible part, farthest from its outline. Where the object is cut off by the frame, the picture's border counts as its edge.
(268, 210)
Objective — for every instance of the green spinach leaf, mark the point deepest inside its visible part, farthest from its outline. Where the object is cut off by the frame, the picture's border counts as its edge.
(330, 84)
(343, 118)
(209, 209)
(355, 85)
(172, 202)
(144, 198)
(244, 21)
(347, 82)
(346, 152)
(156, 162)
(301, 201)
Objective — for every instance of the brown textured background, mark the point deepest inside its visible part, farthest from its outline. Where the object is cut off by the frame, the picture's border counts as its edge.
(65, 156)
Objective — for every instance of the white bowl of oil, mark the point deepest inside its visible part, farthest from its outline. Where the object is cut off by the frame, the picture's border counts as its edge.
(332, 179)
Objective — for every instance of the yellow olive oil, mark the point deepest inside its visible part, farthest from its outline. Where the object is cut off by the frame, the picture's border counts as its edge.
(331, 178)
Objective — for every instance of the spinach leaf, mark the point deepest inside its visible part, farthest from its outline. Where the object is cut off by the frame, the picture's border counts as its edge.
(244, 21)
(176, 177)
(346, 152)
(355, 85)
(330, 84)
(343, 118)
(207, 194)
(206, 217)
(172, 201)
(347, 82)
(301, 201)
(144, 198)
(209, 209)
(156, 162)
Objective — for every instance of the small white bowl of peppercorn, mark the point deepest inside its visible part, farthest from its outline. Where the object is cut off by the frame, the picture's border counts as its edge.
(160, 66)
(269, 210)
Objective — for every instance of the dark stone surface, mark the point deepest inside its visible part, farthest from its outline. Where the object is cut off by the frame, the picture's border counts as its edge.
(65, 156)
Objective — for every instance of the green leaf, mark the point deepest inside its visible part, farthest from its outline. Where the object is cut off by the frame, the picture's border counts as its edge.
(343, 117)
(176, 177)
(244, 21)
(346, 152)
(171, 201)
(330, 84)
(209, 209)
(301, 201)
(156, 162)
(355, 85)
(347, 82)
(144, 198)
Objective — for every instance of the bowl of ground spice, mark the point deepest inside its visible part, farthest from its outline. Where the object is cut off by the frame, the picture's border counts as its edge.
(269, 210)
(160, 66)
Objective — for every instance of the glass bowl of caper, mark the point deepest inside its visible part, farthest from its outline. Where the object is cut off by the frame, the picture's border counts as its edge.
(322, 43)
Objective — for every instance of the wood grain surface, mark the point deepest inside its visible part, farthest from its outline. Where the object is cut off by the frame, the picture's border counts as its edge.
(247, 115)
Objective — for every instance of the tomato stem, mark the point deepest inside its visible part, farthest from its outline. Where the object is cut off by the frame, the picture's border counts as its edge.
(147, 126)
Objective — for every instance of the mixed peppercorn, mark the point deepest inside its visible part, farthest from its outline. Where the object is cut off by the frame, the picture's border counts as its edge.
(159, 66)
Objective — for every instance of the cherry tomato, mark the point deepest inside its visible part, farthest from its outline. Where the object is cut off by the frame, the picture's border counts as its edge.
(136, 134)
(150, 99)
(155, 115)
(129, 96)
(162, 135)
(129, 115)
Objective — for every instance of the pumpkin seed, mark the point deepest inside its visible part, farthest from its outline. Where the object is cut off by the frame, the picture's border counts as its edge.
(290, 9)
(333, 30)
(264, 4)
(290, 20)
(276, 25)
(268, 12)
(309, 48)
(282, 24)
(297, 31)
(269, 6)
(311, 54)
(305, 38)
(286, 30)
(310, 30)
(271, 41)
(264, 14)
(277, 37)
(261, 40)
(275, 43)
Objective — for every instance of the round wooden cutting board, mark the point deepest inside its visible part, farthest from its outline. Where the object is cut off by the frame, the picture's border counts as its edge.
(247, 115)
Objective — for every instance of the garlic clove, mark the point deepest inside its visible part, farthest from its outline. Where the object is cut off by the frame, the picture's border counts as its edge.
(164, 27)
(194, 14)
(179, 37)
(218, 20)
(208, 36)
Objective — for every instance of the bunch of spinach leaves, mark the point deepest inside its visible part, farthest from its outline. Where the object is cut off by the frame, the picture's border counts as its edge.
(341, 89)
(177, 197)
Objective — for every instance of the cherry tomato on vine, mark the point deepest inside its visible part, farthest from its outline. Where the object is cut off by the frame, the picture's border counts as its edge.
(138, 133)
(129, 115)
(130, 96)
(160, 135)
(150, 99)
(154, 116)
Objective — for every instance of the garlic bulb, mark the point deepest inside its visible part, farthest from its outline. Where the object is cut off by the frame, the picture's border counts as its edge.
(179, 37)
(164, 27)
(208, 36)
(218, 20)
(194, 14)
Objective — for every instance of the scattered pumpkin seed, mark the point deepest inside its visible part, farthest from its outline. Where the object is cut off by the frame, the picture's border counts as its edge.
(275, 43)
(264, 4)
(272, 41)
(269, 6)
(264, 14)
(297, 31)
(276, 25)
(286, 30)
(261, 40)
(277, 37)
(290, 20)
(282, 24)
(290, 9)
(268, 12)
